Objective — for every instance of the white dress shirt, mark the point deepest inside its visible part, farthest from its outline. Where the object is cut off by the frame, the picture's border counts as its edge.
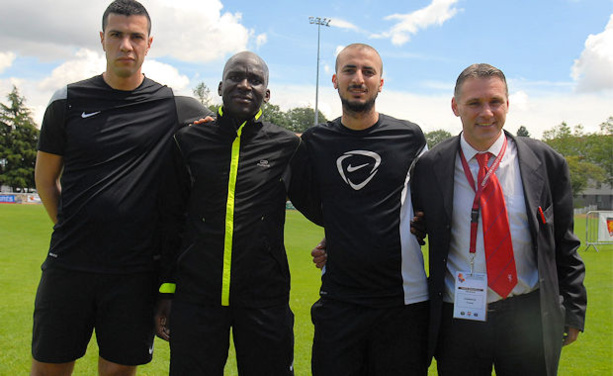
(459, 258)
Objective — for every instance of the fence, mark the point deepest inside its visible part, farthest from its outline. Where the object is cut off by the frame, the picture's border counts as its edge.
(598, 228)
(585, 209)
(19, 198)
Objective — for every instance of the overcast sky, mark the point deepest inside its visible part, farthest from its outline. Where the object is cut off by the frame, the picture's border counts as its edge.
(557, 54)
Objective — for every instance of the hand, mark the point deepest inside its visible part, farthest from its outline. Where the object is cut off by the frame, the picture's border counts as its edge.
(319, 254)
(205, 120)
(418, 227)
(162, 319)
(570, 336)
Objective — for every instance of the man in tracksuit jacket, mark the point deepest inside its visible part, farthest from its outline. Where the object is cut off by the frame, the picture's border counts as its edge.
(225, 264)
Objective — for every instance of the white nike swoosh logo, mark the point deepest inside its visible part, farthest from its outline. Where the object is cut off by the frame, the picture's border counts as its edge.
(351, 168)
(85, 116)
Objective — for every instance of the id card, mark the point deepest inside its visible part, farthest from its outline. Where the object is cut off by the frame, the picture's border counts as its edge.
(470, 301)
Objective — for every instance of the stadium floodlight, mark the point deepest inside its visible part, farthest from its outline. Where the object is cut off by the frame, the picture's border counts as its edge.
(319, 22)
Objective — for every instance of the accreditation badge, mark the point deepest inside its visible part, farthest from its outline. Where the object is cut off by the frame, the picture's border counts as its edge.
(470, 301)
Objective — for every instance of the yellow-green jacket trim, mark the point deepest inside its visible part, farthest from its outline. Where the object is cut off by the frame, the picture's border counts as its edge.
(229, 233)
(168, 288)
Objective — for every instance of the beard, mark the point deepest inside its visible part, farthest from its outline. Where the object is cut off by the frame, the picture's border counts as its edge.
(358, 107)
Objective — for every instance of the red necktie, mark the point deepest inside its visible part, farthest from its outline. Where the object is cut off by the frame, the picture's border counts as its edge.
(501, 272)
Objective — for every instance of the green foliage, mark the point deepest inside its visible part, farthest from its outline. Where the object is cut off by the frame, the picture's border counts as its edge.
(272, 113)
(296, 119)
(562, 139)
(601, 149)
(434, 137)
(18, 138)
(523, 132)
(301, 118)
(589, 155)
(203, 94)
(214, 108)
(582, 172)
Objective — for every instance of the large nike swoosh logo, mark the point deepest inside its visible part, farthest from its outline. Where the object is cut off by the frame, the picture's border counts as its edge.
(351, 168)
(376, 158)
(85, 116)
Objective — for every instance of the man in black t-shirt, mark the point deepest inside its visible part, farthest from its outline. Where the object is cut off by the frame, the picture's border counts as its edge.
(103, 143)
(371, 318)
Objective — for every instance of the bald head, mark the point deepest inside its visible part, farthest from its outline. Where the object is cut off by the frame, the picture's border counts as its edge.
(357, 47)
(250, 59)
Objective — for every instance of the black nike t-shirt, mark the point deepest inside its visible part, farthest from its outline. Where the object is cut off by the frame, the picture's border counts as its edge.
(113, 145)
(355, 184)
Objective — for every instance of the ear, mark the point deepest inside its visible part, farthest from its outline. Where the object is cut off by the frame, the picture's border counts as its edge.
(266, 96)
(381, 85)
(454, 106)
(334, 81)
(102, 40)
(219, 88)
(149, 44)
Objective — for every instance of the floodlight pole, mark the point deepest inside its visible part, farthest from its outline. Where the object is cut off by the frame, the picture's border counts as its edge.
(319, 22)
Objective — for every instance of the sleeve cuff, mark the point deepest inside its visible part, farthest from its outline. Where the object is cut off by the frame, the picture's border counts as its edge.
(168, 288)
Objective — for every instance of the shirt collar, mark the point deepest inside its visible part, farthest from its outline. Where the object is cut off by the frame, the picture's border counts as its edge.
(254, 119)
(470, 152)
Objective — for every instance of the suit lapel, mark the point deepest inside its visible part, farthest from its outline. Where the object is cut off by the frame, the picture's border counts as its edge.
(444, 167)
(532, 180)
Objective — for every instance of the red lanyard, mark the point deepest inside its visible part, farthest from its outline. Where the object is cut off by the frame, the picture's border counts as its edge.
(474, 214)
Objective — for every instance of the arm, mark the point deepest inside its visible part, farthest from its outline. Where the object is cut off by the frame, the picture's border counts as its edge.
(570, 267)
(319, 254)
(303, 188)
(172, 207)
(418, 227)
(162, 318)
(189, 110)
(571, 336)
(47, 176)
(418, 223)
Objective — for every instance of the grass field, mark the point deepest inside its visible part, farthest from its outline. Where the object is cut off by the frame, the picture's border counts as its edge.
(24, 234)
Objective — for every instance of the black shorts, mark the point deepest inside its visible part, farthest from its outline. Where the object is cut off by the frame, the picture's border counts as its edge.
(200, 338)
(358, 340)
(70, 305)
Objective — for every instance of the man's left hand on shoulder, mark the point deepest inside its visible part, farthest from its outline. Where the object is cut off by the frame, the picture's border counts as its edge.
(207, 119)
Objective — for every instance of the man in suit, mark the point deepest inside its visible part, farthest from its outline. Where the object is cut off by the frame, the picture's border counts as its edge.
(517, 323)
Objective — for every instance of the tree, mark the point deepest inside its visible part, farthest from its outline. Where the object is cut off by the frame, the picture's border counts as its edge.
(434, 137)
(301, 118)
(600, 146)
(19, 136)
(566, 141)
(272, 113)
(202, 93)
(589, 155)
(523, 132)
(581, 173)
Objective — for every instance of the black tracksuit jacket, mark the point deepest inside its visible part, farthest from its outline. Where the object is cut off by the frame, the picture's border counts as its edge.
(223, 210)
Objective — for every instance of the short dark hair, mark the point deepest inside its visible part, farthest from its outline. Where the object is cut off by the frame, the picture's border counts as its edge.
(481, 70)
(126, 8)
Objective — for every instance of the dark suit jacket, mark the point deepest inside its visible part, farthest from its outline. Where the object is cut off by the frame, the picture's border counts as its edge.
(546, 183)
